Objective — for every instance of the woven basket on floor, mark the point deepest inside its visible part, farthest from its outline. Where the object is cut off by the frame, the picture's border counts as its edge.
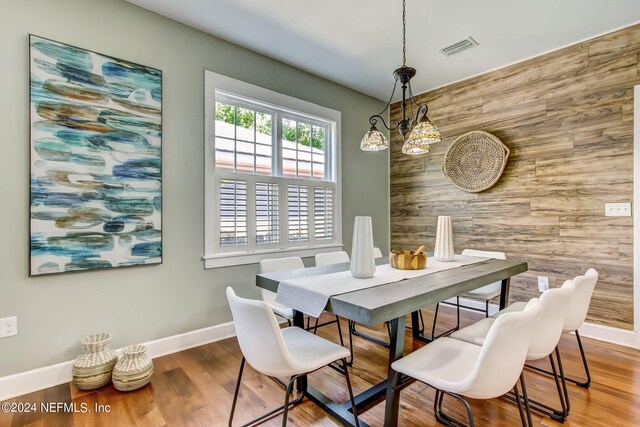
(475, 161)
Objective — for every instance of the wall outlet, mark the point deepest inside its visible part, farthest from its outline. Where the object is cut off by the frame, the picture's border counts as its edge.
(543, 283)
(8, 327)
(617, 209)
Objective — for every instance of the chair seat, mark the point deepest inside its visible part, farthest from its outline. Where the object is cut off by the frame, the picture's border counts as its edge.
(512, 308)
(474, 333)
(281, 310)
(310, 351)
(482, 293)
(477, 332)
(444, 364)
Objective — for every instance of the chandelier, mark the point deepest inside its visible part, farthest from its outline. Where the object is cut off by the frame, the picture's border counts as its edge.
(417, 133)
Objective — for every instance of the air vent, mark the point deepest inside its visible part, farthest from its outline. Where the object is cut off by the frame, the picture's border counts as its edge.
(465, 44)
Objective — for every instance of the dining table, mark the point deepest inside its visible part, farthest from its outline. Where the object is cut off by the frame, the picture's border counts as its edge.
(392, 302)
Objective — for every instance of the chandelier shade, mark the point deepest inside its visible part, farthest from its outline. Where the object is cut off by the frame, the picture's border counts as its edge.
(374, 140)
(416, 134)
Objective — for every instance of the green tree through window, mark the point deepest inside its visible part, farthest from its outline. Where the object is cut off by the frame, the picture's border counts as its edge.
(245, 119)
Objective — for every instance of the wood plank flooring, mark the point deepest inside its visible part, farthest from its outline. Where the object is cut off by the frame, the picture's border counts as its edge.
(195, 388)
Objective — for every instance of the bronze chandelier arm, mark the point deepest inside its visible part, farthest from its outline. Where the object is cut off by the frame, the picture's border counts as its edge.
(373, 120)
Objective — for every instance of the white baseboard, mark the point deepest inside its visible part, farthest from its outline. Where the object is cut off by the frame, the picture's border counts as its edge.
(49, 376)
(618, 336)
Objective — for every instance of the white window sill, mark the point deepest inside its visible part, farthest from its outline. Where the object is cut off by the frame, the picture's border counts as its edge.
(245, 258)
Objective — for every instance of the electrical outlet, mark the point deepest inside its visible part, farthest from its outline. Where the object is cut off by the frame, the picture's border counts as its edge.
(543, 283)
(617, 209)
(8, 327)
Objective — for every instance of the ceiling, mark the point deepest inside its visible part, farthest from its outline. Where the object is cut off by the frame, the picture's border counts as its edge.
(358, 43)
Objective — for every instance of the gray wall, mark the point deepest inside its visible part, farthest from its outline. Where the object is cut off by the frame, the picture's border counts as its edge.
(146, 303)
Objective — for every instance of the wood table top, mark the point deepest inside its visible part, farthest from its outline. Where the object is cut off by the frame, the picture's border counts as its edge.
(378, 304)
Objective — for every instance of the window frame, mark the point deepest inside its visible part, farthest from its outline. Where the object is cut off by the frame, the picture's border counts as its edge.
(279, 106)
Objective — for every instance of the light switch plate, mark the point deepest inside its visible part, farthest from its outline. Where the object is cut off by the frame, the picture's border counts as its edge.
(8, 327)
(617, 209)
(543, 283)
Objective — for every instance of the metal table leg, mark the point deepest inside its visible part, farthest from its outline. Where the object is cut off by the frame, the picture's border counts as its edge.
(504, 292)
(396, 351)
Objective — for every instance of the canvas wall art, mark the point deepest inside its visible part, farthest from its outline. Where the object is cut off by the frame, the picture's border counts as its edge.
(96, 160)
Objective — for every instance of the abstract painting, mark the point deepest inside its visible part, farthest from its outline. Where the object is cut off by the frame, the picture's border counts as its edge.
(95, 160)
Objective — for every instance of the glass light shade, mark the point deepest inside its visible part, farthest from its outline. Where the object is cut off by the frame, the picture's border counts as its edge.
(415, 148)
(421, 136)
(374, 140)
(425, 132)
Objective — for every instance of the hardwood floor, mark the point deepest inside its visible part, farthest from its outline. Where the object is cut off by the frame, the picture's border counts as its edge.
(195, 388)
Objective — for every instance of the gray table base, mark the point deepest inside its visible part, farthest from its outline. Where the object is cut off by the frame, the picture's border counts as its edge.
(373, 395)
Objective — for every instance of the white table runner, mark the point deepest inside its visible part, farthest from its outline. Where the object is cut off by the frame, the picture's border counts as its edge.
(311, 294)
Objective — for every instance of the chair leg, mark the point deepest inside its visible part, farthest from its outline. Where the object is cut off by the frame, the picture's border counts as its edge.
(339, 331)
(530, 404)
(342, 340)
(435, 320)
(446, 419)
(285, 407)
(587, 383)
(350, 343)
(354, 331)
(526, 399)
(354, 409)
(563, 380)
(235, 394)
(523, 418)
(558, 415)
(286, 401)
(579, 383)
(421, 330)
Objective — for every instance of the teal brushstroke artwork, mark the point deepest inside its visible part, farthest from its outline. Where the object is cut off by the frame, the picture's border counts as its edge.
(95, 160)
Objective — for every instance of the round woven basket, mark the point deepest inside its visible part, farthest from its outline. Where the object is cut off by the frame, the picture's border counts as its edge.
(475, 161)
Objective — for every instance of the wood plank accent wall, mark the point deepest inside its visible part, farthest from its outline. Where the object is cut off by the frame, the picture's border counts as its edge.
(567, 118)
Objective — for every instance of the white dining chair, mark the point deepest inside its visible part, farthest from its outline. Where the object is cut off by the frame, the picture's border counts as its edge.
(485, 293)
(377, 253)
(290, 352)
(272, 266)
(577, 311)
(461, 369)
(544, 342)
(328, 258)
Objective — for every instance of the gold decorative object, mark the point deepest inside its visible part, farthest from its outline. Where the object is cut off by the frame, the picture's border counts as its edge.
(408, 260)
(475, 161)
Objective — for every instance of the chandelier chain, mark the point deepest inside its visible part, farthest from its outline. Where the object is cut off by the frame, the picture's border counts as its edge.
(404, 32)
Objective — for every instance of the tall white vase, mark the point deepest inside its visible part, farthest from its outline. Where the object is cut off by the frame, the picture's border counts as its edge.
(443, 250)
(363, 263)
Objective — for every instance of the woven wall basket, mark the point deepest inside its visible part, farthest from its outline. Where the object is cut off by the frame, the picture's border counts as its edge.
(475, 161)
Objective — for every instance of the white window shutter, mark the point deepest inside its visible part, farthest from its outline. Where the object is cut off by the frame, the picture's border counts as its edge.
(233, 212)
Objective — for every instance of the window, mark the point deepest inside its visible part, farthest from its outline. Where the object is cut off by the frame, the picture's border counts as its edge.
(271, 174)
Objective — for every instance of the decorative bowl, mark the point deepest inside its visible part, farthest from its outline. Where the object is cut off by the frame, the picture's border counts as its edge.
(408, 260)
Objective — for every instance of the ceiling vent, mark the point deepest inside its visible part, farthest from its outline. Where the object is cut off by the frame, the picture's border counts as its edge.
(458, 47)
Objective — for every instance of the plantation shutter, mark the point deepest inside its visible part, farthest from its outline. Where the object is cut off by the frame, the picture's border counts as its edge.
(233, 212)
(323, 205)
(298, 213)
(267, 213)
